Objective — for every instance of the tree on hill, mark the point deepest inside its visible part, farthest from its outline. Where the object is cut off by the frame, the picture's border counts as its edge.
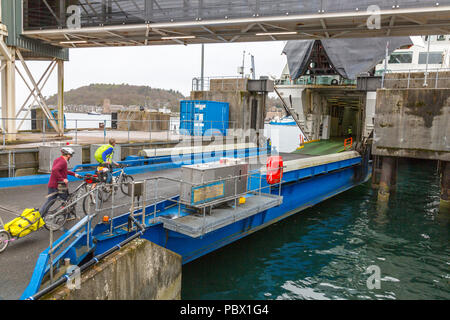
(120, 94)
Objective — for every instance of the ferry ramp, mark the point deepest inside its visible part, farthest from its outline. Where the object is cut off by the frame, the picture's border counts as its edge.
(17, 262)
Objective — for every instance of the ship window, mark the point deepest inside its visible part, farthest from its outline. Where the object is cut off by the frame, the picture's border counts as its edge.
(434, 58)
(440, 37)
(401, 57)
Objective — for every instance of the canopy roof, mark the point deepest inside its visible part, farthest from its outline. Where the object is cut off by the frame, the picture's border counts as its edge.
(347, 57)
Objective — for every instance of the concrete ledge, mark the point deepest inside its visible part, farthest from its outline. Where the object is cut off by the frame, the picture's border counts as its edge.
(141, 270)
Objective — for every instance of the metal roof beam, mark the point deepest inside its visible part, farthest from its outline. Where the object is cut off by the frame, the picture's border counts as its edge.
(324, 27)
(165, 34)
(265, 30)
(391, 24)
(213, 33)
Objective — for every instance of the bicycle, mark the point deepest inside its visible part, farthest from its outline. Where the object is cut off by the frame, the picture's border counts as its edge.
(122, 180)
(63, 206)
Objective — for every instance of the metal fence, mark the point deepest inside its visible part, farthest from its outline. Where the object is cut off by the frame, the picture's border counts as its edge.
(416, 78)
(151, 199)
(317, 80)
(101, 130)
(219, 83)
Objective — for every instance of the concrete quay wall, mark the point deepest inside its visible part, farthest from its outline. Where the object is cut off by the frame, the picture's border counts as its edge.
(412, 123)
(141, 270)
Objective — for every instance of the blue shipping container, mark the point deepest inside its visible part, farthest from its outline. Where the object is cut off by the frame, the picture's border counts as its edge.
(204, 118)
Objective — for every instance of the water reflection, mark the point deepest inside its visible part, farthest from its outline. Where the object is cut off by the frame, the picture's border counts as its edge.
(324, 252)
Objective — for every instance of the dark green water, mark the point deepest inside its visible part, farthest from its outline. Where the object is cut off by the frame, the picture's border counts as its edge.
(323, 252)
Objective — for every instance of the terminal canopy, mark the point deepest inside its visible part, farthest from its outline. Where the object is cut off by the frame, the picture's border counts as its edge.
(346, 57)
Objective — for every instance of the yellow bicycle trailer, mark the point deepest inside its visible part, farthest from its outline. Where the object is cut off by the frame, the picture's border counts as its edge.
(30, 220)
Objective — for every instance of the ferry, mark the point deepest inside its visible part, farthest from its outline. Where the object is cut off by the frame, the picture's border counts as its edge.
(432, 52)
(192, 216)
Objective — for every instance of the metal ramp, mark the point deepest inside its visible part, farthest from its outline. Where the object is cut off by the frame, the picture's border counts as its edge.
(291, 111)
(197, 225)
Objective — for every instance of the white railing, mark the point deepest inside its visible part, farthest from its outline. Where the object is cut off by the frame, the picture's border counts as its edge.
(417, 78)
(123, 130)
(222, 83)
(152, 183)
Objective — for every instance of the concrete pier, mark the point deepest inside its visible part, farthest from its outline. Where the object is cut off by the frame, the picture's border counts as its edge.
(141, 270)
(412, 122)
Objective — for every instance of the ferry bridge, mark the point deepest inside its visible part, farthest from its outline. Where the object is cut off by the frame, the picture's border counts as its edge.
(46, 29)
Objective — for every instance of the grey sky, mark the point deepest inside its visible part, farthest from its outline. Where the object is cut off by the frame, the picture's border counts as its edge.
(166, 67)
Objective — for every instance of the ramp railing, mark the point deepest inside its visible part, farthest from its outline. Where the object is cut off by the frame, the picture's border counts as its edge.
(151, 196)
(79, 235)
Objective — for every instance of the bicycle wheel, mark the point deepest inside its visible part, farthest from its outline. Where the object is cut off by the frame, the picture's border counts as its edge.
(4, 240)
(106, 192)
(124, 181)
(54, 217)
(77, 199)
(89, 202)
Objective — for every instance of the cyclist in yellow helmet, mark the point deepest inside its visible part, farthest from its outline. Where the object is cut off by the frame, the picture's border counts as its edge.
(104, 155)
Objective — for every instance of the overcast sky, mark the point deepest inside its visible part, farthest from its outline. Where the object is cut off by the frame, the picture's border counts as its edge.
(166, 67)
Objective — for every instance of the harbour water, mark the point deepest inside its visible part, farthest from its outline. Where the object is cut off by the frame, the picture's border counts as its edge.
(324, 252)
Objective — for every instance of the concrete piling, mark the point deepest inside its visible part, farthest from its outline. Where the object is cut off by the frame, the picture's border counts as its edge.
(388, 178)
(445, 185)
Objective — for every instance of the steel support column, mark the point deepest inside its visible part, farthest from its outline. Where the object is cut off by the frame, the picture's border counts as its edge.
(61, 96)
(8, 84)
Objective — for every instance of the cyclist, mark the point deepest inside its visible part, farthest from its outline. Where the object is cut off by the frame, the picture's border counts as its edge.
(104, 155)
(59, 174)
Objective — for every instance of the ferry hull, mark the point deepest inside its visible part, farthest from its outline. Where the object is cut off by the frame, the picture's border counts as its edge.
(305, 183)
(297, 196)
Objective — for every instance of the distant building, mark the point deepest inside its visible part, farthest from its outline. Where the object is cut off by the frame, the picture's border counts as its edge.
(108, 107)
(271, 115)
(164, 110)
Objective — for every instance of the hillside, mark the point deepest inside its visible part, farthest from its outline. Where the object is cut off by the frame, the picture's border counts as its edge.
(120, 94)
(127, 95)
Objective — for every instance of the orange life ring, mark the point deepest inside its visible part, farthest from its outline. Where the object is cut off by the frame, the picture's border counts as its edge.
(274, 169)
